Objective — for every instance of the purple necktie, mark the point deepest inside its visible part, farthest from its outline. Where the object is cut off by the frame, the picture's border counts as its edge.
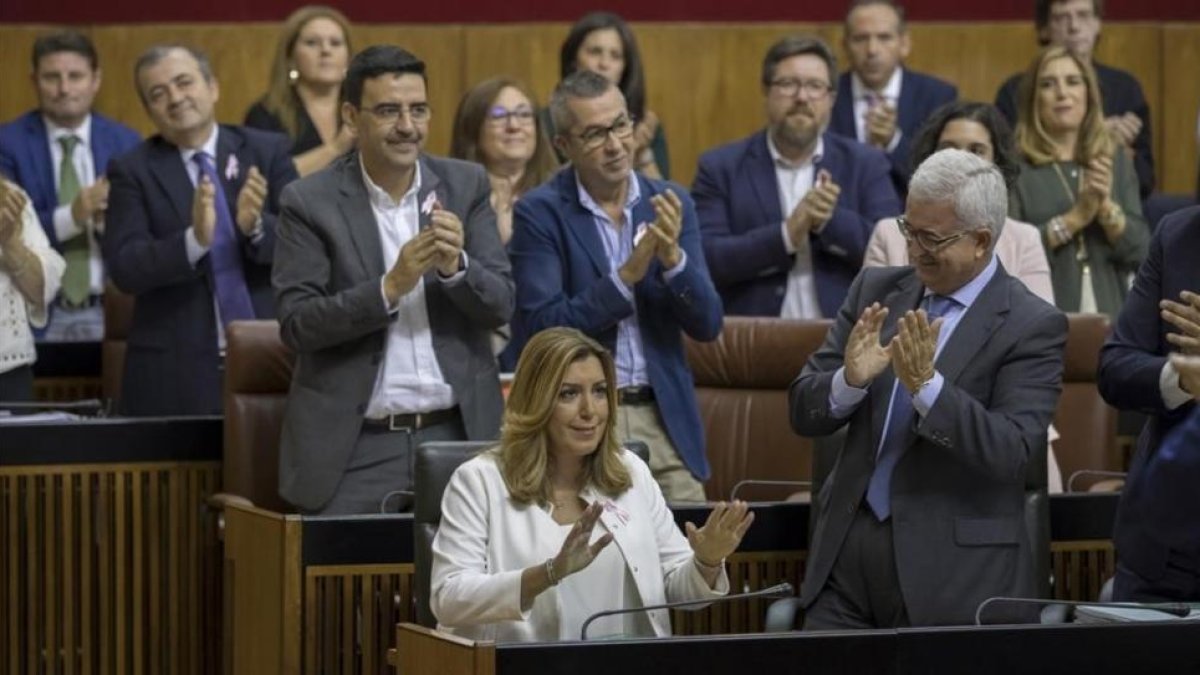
(879, 490)
(224, 256)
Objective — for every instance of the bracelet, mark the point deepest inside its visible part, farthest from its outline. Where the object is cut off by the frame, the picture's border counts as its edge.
(550, 575)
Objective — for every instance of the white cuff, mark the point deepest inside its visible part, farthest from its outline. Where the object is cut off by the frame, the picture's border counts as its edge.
(195, 251)
(65, 226)
(1173, 395)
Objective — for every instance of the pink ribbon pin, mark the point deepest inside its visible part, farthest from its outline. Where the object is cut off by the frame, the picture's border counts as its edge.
(231, 168)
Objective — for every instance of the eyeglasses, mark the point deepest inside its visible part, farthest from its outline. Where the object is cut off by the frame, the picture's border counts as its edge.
(390, 113)
(814, 90)
(594, 137)
(500, 116)
(924, 239)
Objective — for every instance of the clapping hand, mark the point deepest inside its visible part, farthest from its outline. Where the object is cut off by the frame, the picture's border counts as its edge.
(578, 551)
(815, 209)
(668, 223)
(204, 211)
(881, 125)
(1184, 316)
(913, 349)
(250, 201)
(721, 534)
(865, 357)
(448, 236)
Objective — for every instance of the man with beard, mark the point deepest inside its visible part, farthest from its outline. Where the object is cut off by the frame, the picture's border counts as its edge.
(58, 154)
(390, 278)
(786, 213)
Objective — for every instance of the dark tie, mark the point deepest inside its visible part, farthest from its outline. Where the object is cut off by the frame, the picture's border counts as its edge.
(224, 256)
(77, 279)
(879, 490)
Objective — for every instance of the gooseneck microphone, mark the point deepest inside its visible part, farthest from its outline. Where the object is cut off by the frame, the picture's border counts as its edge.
(783, 590)
(1179, 610)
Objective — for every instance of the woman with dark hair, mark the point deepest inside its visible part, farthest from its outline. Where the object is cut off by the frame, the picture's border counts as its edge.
(302, 98)
(1076, 185)
(523, 551)
(977, 128)
(603, 43)
(496, 125)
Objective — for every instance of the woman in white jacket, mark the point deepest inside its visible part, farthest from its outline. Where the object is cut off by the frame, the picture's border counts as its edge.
(524, 553)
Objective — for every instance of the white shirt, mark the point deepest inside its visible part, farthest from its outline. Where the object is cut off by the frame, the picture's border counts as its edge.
(410, 378)
(795, 180)
(65, 227)
(486, 540)
(603, 585)
(862, 103)
(17, 313)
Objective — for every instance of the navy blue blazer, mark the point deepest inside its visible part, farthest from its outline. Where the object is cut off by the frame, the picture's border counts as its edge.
(25, 158)
(920, 95)
(737, 199)
(563, 278)
(1130, 363)
(172, 362)
(1119, 93)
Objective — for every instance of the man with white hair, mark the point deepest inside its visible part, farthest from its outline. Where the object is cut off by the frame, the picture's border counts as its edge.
(947, 374)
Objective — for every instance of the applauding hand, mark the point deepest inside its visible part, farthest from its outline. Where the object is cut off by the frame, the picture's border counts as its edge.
(721, 534)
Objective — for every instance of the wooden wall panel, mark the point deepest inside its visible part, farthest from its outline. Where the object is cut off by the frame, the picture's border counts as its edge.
(1177, 161)
(702, 78)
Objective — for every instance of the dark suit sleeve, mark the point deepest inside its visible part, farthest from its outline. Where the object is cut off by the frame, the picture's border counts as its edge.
(733, 257)
(695, 302)
(1143, 152)
(1132, 359)
(846, 234)
(11, 170)
(1170, 479)
(808, 395)
(311, 319)
(137, 259)
(1000, 437)
(279, 170)
(538, 269)
(486, 293)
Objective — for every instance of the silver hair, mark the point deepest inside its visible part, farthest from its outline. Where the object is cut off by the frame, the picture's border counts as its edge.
(974, 185)
(157, 53)
(581, 84)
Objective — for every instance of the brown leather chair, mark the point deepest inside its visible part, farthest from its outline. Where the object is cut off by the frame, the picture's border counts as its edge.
(258, 372)
(742, 379)
(1086, 424)
(118, 313)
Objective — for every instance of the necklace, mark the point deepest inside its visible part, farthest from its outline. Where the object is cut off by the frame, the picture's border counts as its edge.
(1077, 240)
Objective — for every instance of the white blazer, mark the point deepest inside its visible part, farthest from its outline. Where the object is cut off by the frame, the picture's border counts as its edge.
(486, 540)
(17, 312)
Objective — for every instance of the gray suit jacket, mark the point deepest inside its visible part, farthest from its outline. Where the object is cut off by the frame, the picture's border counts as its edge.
(957, 492)
(328, 266)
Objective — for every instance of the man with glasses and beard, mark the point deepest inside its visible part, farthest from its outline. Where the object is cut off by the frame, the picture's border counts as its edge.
(617, 256)
(786, 213)
(390, 278)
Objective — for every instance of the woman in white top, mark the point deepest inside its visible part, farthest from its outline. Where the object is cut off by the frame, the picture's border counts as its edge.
(30, 273)
(559, 522)
(980, 129)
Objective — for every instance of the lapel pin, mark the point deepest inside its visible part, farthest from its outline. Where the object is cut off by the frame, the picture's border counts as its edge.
(231, 168)
(430, 203)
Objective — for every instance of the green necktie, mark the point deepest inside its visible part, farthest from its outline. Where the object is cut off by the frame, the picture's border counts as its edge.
(77, 281)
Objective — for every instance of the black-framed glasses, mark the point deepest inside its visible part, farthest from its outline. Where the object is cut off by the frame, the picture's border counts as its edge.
(925, 239)
(390, 113)
(594, 137)
(500, 116)
(814, 90)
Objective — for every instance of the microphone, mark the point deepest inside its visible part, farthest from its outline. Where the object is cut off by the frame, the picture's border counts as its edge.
(783, 590)
(1176, 609)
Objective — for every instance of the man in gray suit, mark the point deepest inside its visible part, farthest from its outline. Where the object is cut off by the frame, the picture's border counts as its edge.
(390, 277)
(922, 518)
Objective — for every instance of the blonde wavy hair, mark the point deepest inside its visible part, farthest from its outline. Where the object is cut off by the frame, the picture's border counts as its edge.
(524, 454)
(1032, 139)
(281, 99)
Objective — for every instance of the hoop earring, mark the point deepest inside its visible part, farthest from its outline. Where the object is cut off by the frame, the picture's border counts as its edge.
(293, 76)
